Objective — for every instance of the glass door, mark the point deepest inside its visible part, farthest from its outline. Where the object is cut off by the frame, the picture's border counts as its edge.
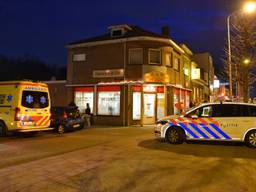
(149, 108)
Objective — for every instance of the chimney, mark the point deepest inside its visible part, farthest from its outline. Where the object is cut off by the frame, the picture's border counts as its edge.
(166, 31)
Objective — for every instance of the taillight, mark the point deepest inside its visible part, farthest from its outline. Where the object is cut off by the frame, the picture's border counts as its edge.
(64, 116)
(17, 114)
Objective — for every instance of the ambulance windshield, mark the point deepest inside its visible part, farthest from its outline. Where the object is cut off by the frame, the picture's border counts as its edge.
(35, 99)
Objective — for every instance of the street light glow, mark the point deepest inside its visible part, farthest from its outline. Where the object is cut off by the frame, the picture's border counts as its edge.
(250, 7)
(247, 61)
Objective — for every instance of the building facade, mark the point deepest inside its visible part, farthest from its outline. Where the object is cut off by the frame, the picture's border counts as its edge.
(130, 76)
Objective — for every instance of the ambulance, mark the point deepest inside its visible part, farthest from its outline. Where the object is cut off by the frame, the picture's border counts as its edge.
(211, 121)
(24, 107)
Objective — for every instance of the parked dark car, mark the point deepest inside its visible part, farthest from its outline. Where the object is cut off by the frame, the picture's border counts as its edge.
(65, 119)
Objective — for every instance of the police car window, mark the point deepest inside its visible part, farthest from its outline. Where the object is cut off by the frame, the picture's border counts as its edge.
(252, 111)
(229, 110)
(206, 111)
(194, 112)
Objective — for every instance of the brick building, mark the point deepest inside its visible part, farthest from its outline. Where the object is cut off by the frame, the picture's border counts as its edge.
(130, 76)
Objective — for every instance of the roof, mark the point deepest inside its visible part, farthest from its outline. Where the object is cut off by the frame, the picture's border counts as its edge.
(21, 82)
(134, 31)
(234, 103)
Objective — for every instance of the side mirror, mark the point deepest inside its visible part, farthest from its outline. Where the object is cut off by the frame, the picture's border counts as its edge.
(194, 117)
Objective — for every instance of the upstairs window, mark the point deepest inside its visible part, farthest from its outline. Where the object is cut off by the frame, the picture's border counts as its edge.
(155, 56)
(79, 57)
(169, 59)
(117, 33)
(176, 64)
(136, 56)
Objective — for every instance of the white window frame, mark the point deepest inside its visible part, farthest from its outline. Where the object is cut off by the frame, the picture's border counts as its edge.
(152, 63)
(134, 49)
(79, 57)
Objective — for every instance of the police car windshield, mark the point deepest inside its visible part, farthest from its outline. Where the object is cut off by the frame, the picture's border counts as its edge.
(35, 99)
(189, 110)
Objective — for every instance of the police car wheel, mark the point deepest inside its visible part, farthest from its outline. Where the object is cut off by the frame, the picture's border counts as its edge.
(250, 139)
(2, 129)
(175, 135)
(60, 129)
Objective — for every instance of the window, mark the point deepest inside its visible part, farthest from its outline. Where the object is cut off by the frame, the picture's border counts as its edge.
(169, 59)
(186, 68)
(205, 111)
(109, 103)
(136, 56)
(35, 99)
(117, 32)
(229, 110)
(176, 64)
(154, 56)
(136, 110)
(82, 98)
(252, 111)
(79, 57)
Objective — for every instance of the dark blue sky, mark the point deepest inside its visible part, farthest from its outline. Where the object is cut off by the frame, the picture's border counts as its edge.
(42, 28)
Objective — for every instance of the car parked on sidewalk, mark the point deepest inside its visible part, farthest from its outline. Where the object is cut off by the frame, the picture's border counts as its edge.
(211, 121)
(64, 119)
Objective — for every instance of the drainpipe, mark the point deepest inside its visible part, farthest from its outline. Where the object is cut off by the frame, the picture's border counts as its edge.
(124, 90)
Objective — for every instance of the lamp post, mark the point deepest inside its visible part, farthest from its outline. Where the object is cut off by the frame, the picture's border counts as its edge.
(249, 7)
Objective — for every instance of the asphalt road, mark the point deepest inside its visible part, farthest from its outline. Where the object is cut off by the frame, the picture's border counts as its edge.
(122, 159)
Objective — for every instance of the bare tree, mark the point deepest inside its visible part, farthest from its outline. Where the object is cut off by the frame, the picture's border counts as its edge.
(243, 57)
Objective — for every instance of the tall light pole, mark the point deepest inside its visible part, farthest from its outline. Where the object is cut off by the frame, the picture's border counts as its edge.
(249, 7)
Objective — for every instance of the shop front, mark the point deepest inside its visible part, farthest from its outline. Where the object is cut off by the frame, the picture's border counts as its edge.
(148, 103)
(131, 104)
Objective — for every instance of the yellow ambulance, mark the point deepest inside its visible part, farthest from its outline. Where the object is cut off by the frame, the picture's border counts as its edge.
(24, 107)
(211, 121)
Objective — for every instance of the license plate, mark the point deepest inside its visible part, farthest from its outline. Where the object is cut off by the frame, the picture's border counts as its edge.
(77, 125)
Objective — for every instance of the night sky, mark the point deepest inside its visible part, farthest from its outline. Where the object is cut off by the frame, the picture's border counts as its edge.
(42, 28)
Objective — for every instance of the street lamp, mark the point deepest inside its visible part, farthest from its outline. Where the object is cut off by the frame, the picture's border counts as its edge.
(247, 61)
(249, 7)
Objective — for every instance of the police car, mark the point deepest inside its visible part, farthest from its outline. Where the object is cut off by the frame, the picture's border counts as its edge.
(211, 121)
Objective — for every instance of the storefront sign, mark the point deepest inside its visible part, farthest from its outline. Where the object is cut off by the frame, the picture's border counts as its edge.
(156, 77)
(149, 88)
(108, 73)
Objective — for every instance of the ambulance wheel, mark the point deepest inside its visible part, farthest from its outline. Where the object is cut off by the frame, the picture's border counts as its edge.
(60, 129)
(250, 139)
(2, 129)
(175, 135)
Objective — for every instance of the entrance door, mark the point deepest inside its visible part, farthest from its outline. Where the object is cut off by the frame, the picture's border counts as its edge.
(149, 108)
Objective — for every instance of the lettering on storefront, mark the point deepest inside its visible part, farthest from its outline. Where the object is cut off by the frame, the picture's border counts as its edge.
(108, 73)
(156, 77)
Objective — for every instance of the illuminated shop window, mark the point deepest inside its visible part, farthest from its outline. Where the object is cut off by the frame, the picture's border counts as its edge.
(149, 105)
(81, 98)
(160, 105)
(109, 103)
(136, 110)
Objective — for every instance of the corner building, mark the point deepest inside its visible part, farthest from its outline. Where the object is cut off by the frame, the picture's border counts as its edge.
(129, 76)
